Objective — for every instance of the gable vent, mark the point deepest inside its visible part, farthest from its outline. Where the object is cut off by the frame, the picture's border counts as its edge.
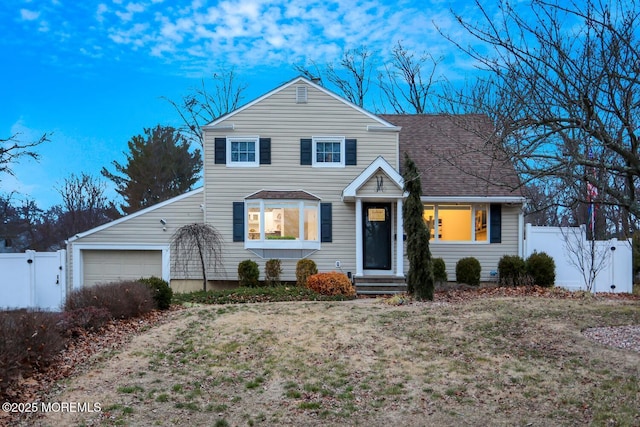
(301, 94)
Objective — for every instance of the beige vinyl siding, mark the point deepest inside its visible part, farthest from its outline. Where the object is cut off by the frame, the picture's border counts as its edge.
(279, 117)
(147, 228)
(488, 254)
(388, 188)
(144, 229)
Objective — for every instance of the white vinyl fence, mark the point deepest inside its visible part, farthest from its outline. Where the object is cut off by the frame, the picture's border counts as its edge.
(33, 280)
(571, 252)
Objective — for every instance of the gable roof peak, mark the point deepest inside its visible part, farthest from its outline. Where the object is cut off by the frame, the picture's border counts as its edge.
(294, 81)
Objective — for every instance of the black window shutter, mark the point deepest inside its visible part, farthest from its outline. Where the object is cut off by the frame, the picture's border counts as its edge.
(306, 148)
(220, 151)
(326, 223)
(495, 226)
(265, 151)
(238, 221)
(351, 152)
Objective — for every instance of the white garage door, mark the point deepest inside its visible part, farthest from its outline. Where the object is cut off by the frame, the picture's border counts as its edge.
(110, 266)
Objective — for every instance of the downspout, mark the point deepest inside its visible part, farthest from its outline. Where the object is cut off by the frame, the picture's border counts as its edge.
(521, 232)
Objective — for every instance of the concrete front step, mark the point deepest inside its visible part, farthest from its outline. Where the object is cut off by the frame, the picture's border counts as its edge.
(379, 292)
(380, 285)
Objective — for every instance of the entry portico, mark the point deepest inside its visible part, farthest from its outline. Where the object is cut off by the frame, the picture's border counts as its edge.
(376, 191)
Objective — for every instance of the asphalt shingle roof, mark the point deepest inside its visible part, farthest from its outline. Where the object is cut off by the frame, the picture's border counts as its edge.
(453, 155)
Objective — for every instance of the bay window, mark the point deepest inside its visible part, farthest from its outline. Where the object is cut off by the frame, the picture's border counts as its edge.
(282, 224)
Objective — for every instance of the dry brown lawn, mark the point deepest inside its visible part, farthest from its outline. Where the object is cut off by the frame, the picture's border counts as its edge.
(486, 361)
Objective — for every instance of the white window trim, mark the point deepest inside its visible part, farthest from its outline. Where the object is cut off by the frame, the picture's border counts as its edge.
(314, 151)
(253, 164)
(473, 241)
(264, 243)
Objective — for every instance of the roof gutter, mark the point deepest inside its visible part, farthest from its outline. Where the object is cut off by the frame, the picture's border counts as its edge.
(474, 199)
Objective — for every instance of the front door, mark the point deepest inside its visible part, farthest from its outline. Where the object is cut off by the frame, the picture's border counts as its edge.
(376, 222)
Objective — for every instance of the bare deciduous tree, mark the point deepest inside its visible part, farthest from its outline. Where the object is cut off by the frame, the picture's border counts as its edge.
(562, 86)
(12, 149)
(351, 76)
(407, 81)
(201, 241)
(405, 85)
(84, 205)
(589, 256)
(205, 104)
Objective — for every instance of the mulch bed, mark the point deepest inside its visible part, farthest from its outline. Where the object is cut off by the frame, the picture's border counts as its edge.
(461, 292)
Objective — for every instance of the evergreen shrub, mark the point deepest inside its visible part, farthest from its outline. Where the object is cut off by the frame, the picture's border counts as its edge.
(272, 272)
(511, 270)
(542, 269)
(305, 268)
(248, 273)
(439, 270)
(468, 271)
(162, 292)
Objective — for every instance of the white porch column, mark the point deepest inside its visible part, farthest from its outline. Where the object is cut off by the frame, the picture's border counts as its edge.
(399, 240)
(359, 253)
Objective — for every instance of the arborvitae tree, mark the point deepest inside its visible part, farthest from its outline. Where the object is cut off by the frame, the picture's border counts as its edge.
(420, 281)
(159, 166)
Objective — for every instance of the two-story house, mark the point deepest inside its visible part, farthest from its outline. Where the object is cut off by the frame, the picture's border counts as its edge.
(302, 173)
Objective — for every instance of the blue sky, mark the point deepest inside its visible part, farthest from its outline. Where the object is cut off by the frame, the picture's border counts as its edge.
(94, 74)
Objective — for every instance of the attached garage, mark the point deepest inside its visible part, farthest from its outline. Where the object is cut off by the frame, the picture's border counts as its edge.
(104, 266)
(131, 247)
(104, 263)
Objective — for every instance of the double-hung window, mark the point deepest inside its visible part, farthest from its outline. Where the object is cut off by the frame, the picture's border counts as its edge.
(457, 222)
(328, 151)
(243, 151)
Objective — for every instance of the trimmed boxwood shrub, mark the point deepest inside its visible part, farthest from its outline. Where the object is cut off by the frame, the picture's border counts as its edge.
(248, 273)
(162, 292)
(511, 270)
(542, 269)
(439, 270)
(272, 272)
(305, 268)
(468, 271)
(331, 284)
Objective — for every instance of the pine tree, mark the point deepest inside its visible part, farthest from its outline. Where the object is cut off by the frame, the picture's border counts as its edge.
(420, 282)
(159, 166)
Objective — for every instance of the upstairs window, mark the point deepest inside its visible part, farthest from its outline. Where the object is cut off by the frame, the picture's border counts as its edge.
(243, 151)
(328, 152)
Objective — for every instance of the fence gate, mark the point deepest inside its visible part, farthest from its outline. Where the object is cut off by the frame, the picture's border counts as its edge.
(33, 280)
(570, 250)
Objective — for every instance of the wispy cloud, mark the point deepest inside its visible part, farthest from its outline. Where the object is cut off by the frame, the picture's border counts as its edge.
(193, 34)
(29, 15)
